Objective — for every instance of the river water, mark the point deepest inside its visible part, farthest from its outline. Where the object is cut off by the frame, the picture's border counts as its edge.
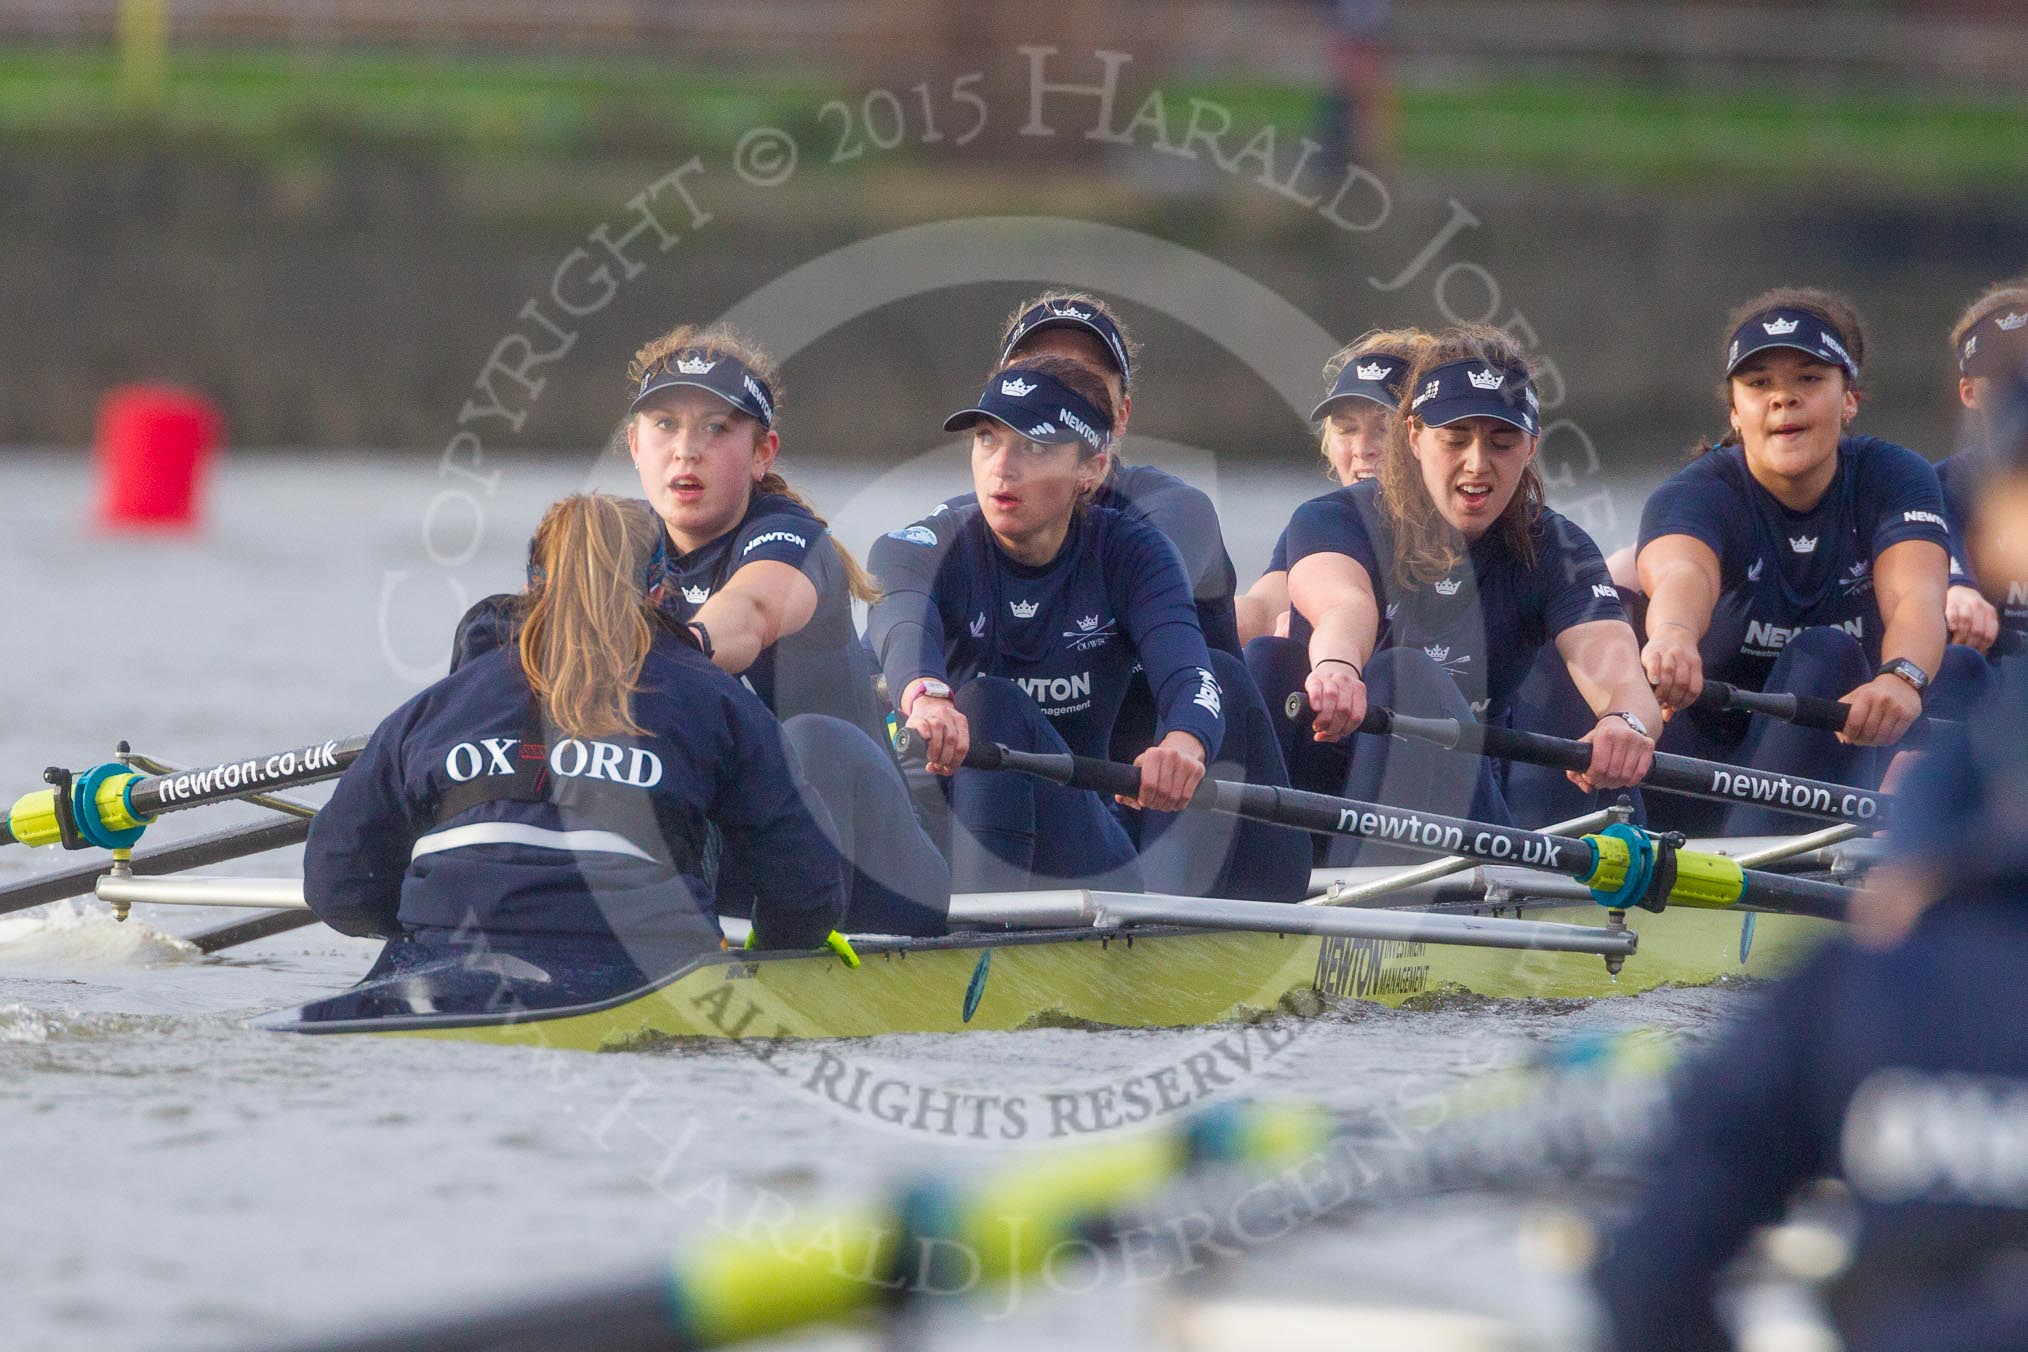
(177, 1180)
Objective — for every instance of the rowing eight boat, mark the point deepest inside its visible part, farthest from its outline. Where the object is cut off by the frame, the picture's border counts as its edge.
(1154, 977)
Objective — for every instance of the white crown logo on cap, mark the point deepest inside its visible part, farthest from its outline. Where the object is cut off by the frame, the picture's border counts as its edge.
(1377, 371)
(1024, 610)
(694, 366)
(2011, 322)
(1781, 328)
(1484, 380)
(1072, 312)
(1017, 388)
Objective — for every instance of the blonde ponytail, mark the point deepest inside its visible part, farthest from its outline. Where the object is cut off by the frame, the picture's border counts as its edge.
(588, 621)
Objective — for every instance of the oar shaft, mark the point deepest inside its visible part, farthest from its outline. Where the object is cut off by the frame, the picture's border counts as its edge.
(1677, 774)
(152, 795)
(1314, 812)
(1630, 869)
(109, 805)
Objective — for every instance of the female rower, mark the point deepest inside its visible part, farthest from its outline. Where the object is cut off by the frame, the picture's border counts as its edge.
(1991, 343)
(1431, 589)
(1081, 327)
(1794, 557)
(1360, 408)
(767, 592)
(1020, 617)
(544, 812)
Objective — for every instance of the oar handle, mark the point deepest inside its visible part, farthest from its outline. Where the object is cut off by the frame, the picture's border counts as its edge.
(1805, 711)
(1077, 772)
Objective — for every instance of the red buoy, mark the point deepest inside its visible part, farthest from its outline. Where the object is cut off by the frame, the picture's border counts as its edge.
(153, 448)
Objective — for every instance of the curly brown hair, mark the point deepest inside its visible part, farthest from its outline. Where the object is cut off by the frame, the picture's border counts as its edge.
(1428, 548)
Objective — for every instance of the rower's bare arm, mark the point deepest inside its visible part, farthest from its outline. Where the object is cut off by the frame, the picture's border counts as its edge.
(1605, 664)
(1336, 594)
(757, 605)
(1261, 606)
(1680, 575)
(1909, 581)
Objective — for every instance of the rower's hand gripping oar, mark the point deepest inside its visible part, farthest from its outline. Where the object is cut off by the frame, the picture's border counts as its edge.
(1623, 866)
(1678, 774)
(109, 806)
(1805, 711)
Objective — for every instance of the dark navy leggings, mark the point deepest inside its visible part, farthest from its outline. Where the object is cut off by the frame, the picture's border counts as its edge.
(1830, 664)
(1279, 667)
(900, 882)
(1209, 854)
(1407, 773)
(1549, 702)
(1014, 832)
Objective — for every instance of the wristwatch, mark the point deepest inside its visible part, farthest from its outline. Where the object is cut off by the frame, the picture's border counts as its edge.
(920, 686)
(1907, 671)
(1632, 721)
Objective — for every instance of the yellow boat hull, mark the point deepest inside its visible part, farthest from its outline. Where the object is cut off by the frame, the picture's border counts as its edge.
(1150, 978)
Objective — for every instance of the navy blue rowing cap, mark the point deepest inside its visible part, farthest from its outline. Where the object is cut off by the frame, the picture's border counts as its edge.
(719, 372)
(1039, 407)
(1070, 314)
(1798, 330)
(1998, 343)
(1475, 389)
(1374, 376)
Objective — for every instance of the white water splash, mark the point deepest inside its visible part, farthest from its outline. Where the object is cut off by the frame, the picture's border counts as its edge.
(19, 1023)
(85, 934)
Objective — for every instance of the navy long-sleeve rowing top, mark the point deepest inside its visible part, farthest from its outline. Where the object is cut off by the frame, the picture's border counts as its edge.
(1187, 520)
(1070, 632)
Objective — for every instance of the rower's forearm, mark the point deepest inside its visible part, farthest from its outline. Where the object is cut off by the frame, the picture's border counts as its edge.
(740, 628)
(1261, 607)
(1680, 602)
(1916, 629)
(1254, 616)
(1633, 695)
(1346, 632)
